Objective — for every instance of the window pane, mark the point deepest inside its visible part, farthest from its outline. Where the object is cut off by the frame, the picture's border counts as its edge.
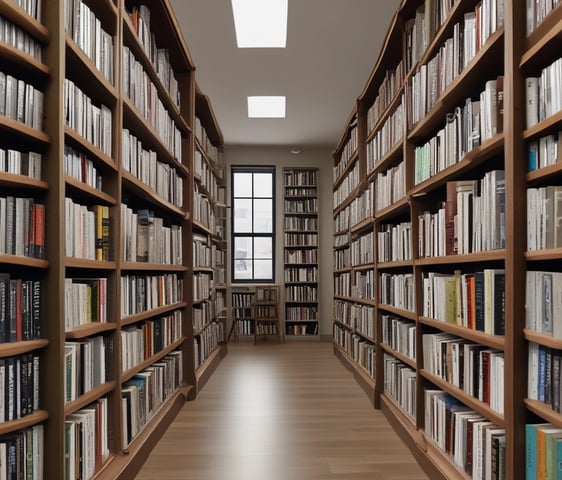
(243, 270)
(263, 216)
(263, 269)
(243, 258)
(263, 248)
(263, 185)
(242, 216)
(242, 185)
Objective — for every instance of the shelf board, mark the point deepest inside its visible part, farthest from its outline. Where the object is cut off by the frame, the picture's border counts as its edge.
(387, 160)
(544, 411)
(17, 15)
(88, 329)
(545, 172)
(30, 420)
(551, 124)
(396, 208)
(155, 312)
(399, 412)
(397, 311)
(386, 113)
(363, 266)
(550, 254)
(71, 262)
(544, 39)
(24, 61)
(543, 339)
(11, 349)
(93, 152)
(362, 225)
(470, 401)
(492, 341)
(88, 190)
(89, 397)
(397, 264)
(13, 180)
(395, 353)
(19, 129)
(202, 227)
(128, 374)
(22, 261)
(489, 256)
(350, 164)
(153, 267)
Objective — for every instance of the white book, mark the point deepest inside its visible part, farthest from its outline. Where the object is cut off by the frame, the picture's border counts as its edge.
(532, 101)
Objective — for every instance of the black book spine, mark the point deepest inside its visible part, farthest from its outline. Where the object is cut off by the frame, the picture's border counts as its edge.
(4, 305)
(499, 303)
(479, 300)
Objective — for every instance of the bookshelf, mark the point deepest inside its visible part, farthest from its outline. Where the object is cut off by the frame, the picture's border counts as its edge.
(97, 192)
(447, 164)
(243, 320)
(266, 313)
(300, 251)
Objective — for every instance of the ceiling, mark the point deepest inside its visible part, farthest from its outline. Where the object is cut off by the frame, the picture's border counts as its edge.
(332, 46)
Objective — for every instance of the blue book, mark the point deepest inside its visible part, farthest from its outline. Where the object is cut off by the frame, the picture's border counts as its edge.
(531, 449)
(542, 373)
(558, 472)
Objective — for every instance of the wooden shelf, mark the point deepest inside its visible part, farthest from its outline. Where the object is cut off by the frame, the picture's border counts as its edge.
(91, 192)
(365, 224)
(93, 152)
(397, 208)
(543, 42)
(155, 312)
(397, 311)
(89, 397)
(36, 138)
(23, 261)
(544, 173)
(152, 267)
(346, 170)
(479, 257)
(17, 15)
(551, 124)
(24, 61)
(12, 180)
(397, 264)
(543, 339)
(389, 159)
(71, 262)
(11, 349)
(34, 418)
(544, 411)
(89, 329)
(492, 341)
(403, 358)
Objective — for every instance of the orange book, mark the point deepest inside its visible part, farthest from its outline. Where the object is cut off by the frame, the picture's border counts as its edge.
(39, 233)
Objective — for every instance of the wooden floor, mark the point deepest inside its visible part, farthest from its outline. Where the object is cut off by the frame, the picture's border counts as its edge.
(281, 412)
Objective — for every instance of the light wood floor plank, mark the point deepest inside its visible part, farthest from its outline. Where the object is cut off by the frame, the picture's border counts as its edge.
(281, 412)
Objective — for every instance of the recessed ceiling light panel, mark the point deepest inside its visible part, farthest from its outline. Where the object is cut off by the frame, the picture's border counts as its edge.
(260, 23)
(266, 107)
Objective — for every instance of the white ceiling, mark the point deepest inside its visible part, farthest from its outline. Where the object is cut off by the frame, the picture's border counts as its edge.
(332, 46)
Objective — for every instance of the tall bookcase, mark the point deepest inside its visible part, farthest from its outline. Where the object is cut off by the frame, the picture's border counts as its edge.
(101, 134)
(433, 166)
(300, 256)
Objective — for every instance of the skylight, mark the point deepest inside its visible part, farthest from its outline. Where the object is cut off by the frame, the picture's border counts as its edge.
(260, 23)
(266, 107)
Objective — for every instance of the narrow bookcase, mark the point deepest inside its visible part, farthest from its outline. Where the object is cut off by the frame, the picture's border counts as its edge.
(97, 114)
(300, 251)
(449, 168)
(266, 313)
(208, 236)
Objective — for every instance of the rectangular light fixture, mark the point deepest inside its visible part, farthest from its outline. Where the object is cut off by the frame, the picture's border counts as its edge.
(260, 23)
(266, 107)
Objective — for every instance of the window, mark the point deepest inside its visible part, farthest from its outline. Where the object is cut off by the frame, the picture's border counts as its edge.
(253, 224)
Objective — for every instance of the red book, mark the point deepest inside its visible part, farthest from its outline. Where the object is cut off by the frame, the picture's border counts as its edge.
(450, 214)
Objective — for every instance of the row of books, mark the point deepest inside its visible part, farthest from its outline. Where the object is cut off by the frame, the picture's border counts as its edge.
(161, 177)
(476, 445)
(83, 26)
(390, 186)
(398, 290)
(242, 299)
(204, 252)
(301, 178)
(207, 342)
(399, 334)
(363, 285)
(300, 192)
(302, 274)
(143, 394)
(87, 231)
(300, 223)
(301, 293)
(341, 224)
(363, 352)
(342, 258)
(20, 303)
(85, 300)
(543, 375)
(21, 163)
(210, 150)
(391, 132)
(242, 312)
(348, 151)
(265, 311)
(244, 327)
(202, 210)
(302, 205)
(146, 239)
(141, 341)
(300, 313)
(342, 337)
(465, 128)
(362, 251)
(92, 122)
(362, 207)
(475, 369)
(301, 329)
(301, 239)
(543, 95)
(19, 386)
(472, 300)
(388, 89)
(543, 450)
(205, 174)
(472, 218)
(349, 183)
(202, 285)
(362, 319)
(544, 209)
(159, 57)
(543, 302)
(202, 314)
(86, 440)
(142, 293)
(544, 151)
(78, 166)
(340, 240)
(342, 284)
(11, 34)
(537, 11)
(400, 383)
(88, 363)
(264, 327)
(22, 227)
(143, 93)
(21, 101)
(21, 453)
(394, 242)
(301, 256)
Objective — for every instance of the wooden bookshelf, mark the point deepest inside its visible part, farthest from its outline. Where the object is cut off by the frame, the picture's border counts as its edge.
(385, 140)
(93, 166)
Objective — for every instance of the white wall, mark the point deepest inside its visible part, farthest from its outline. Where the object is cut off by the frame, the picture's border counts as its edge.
(281, 157)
